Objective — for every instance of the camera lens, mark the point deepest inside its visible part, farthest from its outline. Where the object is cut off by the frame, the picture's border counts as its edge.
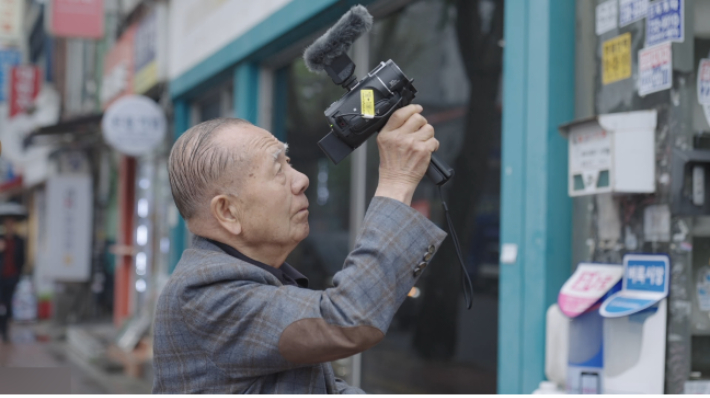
(392, 76)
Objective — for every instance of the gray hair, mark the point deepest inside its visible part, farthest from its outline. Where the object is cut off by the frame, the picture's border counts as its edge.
(197, 162)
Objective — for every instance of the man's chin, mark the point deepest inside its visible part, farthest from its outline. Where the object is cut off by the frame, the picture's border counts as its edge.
(304, 233)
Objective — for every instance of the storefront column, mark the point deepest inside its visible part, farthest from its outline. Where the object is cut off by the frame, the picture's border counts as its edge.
(246, 91)
(123, 287)
(535, 209)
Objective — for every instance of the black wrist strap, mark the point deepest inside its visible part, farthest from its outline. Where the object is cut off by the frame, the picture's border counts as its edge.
(466, 285)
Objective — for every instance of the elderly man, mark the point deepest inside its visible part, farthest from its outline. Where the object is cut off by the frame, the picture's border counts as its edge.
(234, 317)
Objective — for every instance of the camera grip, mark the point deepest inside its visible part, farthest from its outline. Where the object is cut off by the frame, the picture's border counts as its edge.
(439, 172)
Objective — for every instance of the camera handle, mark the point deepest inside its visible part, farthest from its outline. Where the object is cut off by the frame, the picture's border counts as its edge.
(438, 172)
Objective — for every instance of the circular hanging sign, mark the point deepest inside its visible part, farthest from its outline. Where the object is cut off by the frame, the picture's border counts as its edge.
(134, 125)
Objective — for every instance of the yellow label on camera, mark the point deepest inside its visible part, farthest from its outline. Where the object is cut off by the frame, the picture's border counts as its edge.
(367, 102)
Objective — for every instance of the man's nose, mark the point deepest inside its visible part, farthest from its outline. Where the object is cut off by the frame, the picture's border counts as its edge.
(300, 183)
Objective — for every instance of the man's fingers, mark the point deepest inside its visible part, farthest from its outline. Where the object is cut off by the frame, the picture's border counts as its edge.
(432, 144)
(424, 133)
(401, 116)
(414, 123)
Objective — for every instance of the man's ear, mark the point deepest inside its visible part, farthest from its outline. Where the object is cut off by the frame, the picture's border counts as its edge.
(224, 209)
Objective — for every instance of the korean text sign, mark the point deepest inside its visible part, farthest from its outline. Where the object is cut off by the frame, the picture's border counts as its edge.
(631, 11)
(664, 22)
(25, 83)
(655, 69)
(645, 283)
(616, 59)
(646, 276)
(704, 82)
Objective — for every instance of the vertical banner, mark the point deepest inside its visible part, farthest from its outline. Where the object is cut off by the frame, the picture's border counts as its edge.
(69, 217)
(145, 50)
(25, 82)
(8, 59)
(76, 18)
(11, 19)
(117, 78)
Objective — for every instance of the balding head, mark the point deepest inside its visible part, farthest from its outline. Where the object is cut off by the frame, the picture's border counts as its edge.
(198, 160)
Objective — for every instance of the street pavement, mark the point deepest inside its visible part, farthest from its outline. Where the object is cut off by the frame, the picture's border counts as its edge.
(26, 350)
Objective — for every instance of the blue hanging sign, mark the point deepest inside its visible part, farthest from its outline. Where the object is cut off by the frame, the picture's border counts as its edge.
(645, 283)
(665, 22)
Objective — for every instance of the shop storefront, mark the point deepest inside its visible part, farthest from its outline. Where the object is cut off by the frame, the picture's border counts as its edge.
(255, 71)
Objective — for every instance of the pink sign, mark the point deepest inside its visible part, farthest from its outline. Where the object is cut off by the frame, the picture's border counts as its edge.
(588, 284)
(25, 83)
(77, 18)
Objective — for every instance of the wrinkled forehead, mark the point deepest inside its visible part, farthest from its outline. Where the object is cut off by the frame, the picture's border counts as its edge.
(265, 145)
(258, 147)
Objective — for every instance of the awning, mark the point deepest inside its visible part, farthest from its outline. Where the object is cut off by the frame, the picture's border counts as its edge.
(81, 125)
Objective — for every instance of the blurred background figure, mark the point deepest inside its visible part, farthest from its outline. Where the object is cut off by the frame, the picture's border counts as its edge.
(12, 260)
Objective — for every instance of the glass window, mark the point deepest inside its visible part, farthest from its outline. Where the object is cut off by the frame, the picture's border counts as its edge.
(452, 51)
(320, 255)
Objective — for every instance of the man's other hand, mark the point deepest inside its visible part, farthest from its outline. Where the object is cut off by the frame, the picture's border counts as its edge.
(406, 144)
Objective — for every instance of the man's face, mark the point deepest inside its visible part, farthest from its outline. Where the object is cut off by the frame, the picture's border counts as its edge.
(273, 208)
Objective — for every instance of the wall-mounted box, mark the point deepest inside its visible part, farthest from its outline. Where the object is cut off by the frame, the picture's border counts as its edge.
(612, 153)
(690, 175)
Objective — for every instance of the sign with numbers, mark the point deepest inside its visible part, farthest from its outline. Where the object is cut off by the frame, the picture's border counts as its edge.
(655, 69)
(134, 125)
(704, 81)
(645, 283)
(664, 22)
(631, 11)
(588, 284)
(616, 59)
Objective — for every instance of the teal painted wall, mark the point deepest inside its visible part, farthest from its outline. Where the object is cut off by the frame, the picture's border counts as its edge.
(535, 208)
(246, 91)
(181, 122)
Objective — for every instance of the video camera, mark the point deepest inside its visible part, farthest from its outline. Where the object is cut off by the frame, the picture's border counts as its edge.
(369, 103)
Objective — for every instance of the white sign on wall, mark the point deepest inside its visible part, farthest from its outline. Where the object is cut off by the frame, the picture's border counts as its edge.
(69, 224)
(134, 125)
(11, 19)
(704, 81)
(589, 157)
(655, 69)
(200, 28)
(631, 11)
(612, 153)
(606, 16)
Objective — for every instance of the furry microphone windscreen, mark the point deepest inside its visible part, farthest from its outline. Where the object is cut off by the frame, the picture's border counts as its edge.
(338, 38)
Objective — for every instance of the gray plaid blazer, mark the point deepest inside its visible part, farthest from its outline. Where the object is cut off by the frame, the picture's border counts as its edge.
(226, 326)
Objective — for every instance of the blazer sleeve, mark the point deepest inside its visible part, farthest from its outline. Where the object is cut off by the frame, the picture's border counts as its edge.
(251, 329)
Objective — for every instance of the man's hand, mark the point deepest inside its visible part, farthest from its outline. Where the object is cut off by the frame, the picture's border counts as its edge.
(406, 144)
